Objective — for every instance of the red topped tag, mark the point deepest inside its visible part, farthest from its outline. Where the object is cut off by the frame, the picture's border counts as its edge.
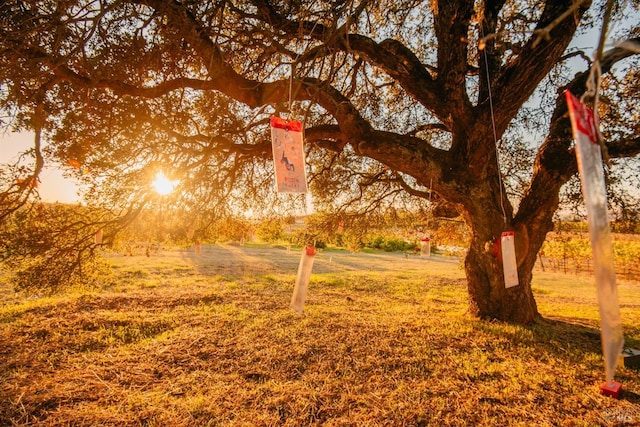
(279, 123)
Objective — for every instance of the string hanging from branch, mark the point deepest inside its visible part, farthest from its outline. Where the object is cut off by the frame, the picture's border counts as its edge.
(507, 238)
(287, 144)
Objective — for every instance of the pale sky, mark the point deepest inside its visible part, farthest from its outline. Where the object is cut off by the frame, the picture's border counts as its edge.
(53, 186)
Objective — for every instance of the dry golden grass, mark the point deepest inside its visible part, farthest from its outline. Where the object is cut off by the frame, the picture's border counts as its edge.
(178, 340)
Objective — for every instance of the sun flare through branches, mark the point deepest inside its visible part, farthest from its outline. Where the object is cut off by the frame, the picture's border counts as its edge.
(163, 185)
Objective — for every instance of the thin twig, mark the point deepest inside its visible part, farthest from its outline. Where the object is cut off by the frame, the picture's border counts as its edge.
(544, 33)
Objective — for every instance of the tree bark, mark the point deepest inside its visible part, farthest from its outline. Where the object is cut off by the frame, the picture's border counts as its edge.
(488, 297)
(488, 218)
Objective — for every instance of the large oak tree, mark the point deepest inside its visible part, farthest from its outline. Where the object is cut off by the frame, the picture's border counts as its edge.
(427, 99)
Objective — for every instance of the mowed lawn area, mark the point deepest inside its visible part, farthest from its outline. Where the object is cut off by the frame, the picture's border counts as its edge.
(177, 339)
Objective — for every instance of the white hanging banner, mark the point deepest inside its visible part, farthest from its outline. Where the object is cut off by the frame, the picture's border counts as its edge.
(302, 279)
(288, 155)
(589, 156)
(509, 264)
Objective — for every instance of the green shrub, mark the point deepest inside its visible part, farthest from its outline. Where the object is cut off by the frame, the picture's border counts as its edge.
(393, 245)
(270, 231)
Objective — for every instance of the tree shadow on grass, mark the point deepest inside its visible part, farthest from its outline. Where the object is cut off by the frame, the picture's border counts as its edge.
(233, 260)
(630, 396)
(581, 342)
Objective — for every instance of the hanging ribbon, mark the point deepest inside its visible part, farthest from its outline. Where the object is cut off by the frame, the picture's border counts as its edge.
(589, 158)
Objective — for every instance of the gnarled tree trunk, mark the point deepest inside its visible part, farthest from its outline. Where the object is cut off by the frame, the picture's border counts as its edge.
(488, 218)
(488, 296)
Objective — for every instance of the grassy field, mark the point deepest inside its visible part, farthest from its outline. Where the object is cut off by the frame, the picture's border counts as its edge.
(385, 340)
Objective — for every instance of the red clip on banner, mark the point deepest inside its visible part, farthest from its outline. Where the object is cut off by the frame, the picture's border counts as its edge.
(288, 155)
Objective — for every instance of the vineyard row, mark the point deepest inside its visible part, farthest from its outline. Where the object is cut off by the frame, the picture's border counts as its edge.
(572, 254)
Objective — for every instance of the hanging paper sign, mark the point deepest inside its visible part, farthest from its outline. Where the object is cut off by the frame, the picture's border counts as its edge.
(509, 263)
(302, 279)
(589, 156)
(98, 237)
(288, 155)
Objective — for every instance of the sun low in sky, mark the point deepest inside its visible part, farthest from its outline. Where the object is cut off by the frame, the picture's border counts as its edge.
(163, 185)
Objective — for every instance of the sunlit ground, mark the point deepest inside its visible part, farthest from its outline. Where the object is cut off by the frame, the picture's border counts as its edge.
(385, 340)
